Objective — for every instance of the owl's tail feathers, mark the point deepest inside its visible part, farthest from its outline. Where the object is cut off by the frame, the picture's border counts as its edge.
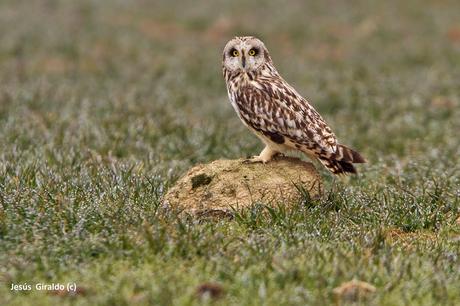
(341, 162)
(338, 167)
(344, 153)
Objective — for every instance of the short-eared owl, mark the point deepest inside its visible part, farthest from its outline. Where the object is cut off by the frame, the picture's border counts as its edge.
(276, 112)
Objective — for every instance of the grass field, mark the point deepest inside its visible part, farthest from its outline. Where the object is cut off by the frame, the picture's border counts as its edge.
(104, 104)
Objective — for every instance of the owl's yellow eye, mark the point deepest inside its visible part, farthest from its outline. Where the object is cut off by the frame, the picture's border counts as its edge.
(235, 53)
(252, 52)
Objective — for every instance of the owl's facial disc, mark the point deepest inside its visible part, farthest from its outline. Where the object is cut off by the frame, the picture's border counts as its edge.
(244, 54)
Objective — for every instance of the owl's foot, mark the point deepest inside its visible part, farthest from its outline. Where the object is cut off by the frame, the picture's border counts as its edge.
(264, 157)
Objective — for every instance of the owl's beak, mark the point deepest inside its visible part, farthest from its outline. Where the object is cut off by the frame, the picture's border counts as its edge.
(243, 61)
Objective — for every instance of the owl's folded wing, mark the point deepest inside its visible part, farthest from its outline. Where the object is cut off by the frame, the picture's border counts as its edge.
(280, 112)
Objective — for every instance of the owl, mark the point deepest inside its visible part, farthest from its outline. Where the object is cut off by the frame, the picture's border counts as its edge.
(274, 111)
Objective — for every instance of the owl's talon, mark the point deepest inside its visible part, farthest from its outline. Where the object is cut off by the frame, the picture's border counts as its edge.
(264, 157)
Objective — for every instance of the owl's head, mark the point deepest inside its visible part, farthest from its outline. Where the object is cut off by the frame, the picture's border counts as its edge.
(245, 54)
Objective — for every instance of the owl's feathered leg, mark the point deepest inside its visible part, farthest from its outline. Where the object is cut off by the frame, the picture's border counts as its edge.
(264, 157)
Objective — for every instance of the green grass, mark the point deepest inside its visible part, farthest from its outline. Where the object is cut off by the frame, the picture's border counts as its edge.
(103, 105)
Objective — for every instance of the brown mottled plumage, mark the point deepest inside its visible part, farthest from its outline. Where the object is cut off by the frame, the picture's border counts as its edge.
(275, 112)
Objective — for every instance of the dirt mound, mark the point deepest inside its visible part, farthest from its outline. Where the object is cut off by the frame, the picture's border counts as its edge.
(221, 185)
